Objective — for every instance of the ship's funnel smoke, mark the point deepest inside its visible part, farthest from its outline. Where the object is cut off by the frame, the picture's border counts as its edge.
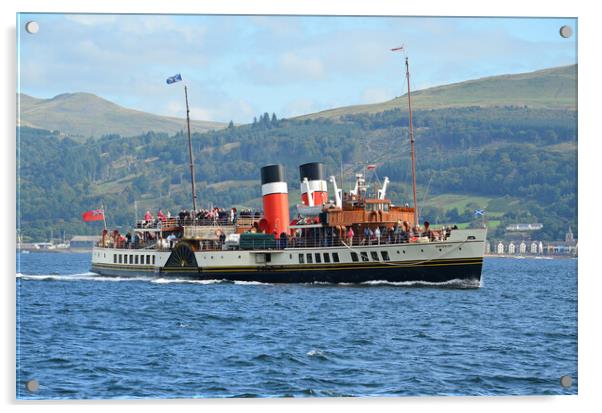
(313, 185)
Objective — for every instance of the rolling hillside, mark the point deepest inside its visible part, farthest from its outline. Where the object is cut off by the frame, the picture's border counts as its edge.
(83, 115)
(519, 162)
(554, 88)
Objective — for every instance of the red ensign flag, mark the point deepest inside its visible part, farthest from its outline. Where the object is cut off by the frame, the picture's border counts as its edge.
(94, 215)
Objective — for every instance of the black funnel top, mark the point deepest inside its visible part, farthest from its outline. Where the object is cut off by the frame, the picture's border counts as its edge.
(272, 173)
(313, 171)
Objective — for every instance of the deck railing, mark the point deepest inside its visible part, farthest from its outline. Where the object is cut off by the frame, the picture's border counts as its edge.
(290, 242)
(190, 222)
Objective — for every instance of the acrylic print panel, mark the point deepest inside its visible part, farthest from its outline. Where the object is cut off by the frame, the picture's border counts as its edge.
(333, 218)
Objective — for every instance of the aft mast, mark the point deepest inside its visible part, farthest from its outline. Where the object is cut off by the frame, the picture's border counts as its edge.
(190, 150)
(171, 80)
(412, 154)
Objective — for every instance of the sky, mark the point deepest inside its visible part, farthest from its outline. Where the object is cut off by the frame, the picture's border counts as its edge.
(238, 67)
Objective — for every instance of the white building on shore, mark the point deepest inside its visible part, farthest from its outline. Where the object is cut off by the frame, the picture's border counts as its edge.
(500, 248)
(511, 248)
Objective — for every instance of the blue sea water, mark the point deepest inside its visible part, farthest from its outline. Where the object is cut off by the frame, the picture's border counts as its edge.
(86, 337)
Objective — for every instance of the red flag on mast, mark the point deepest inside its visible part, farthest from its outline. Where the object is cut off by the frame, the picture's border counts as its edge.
(94, 215)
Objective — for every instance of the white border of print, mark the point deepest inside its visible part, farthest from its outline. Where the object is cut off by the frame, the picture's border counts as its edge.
(589, 195)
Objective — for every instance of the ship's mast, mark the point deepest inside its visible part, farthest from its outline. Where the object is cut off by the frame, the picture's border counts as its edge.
(190, 150)
(416, 222)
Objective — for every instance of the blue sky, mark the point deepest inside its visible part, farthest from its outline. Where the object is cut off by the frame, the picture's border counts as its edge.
(237, 67)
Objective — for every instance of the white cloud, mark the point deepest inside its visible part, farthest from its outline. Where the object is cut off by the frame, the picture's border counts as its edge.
(91, 19)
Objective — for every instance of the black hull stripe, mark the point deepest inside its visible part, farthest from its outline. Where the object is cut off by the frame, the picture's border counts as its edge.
(432, 274)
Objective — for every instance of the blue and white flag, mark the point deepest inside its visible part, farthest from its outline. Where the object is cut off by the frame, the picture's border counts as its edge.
(479, 212)
(174, 79)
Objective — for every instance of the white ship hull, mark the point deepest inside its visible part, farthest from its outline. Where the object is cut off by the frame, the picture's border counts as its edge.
(460, 257)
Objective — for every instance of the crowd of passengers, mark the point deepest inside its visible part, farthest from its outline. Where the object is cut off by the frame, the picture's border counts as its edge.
(214, 216)
(402, 232)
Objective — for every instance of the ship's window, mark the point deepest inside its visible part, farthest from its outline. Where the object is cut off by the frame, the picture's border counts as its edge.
(471, 237)
(290, 256)
(335, 257)
(119, 258)
(148, 259)
(136, 259)
(131, 259)
(364, 256)
(421, 250)
(301, 259)
(385, 255)
(326, 258)
(374, 255)
(115, 258)
(153, 260)
(318, 258)
(310, 259)
(354, 257)
(386, 207)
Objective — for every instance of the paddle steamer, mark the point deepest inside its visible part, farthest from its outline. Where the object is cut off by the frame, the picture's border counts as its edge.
(356, 236)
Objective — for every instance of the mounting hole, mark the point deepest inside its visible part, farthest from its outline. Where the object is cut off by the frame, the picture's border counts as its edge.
(566, 381)
(32, 385)
(566, 32)
(32, 27)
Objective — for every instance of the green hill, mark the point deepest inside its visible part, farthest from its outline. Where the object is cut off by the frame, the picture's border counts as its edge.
(519, 162)
(554, 88)
(84, 115)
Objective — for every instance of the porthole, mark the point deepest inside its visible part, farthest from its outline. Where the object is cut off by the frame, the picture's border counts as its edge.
(421, 250)
(398, 252)
(460, 248)
(404, 251)
(239, 257)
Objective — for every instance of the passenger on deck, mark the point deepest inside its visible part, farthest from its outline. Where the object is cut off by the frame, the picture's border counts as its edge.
(171, 238)
(161, 216)
(128, 239)
(366, 236)
(350, 235)
(405, 234)
(283, 240)
(427, 231)
(148, 218)
(377, 235)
